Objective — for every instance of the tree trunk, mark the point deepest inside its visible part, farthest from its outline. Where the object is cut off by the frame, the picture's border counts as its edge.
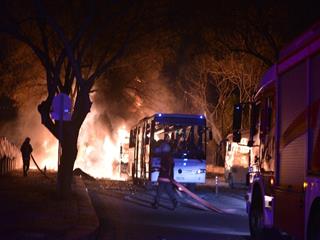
(68, 140)
(67, 160)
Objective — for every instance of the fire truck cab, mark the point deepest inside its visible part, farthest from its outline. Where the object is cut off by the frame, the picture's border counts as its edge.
(284, 190)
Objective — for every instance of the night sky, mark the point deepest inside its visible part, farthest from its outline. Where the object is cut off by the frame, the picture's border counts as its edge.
(165, 52)
(165, 37)
(120, 61)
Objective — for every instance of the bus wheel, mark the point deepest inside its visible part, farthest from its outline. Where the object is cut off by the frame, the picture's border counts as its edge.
(256, 220)
(191, 187)
(314, 225)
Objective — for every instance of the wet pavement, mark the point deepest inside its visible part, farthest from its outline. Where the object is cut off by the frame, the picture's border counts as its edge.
(125, 213)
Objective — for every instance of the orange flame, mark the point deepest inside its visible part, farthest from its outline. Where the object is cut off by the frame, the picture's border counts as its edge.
(98, 150)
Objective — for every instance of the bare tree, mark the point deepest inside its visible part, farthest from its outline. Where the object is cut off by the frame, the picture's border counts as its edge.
(20, 73)
(240, 70)
(253, 29)
(214, 85)
(195, 84)
(73, 57)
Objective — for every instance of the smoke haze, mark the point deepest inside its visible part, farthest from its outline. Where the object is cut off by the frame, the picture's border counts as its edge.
(104, 129)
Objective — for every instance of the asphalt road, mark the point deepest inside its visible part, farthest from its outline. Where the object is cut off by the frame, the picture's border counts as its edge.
(125, 213)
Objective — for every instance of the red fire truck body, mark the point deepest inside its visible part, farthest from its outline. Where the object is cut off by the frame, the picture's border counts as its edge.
(284, 190)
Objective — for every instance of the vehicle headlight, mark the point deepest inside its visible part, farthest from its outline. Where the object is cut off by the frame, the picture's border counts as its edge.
(201, 171)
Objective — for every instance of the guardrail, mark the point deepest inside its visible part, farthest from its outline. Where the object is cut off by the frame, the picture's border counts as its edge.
(9, 156)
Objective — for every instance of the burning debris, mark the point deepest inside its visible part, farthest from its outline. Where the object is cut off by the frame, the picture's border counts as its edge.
(99, 148)
(79, 172)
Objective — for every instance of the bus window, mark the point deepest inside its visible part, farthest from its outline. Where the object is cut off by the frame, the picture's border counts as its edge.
(147, 137)
(132, 138)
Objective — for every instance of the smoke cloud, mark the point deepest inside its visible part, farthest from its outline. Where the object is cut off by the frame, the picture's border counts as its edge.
(105, 128)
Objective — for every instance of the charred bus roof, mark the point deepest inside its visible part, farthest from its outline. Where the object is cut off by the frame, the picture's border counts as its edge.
(177, 119)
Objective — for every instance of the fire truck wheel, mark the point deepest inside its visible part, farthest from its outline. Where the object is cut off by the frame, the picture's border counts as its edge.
(314, 224)
(256, 220)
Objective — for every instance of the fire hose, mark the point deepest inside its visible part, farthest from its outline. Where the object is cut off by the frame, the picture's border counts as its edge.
(42, 172)
(195, 197)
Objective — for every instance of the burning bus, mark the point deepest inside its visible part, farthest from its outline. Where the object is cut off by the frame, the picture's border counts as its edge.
(189, 135)
(124, 158)
(238, 158)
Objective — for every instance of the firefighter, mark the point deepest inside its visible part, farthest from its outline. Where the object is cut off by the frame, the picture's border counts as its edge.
(182, 144)
(165, 175)
(26, 150)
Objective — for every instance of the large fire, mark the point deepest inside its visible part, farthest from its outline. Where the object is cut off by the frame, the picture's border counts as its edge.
(98, 149)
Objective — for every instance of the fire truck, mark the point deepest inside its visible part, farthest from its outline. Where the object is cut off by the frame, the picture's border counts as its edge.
(284, 190)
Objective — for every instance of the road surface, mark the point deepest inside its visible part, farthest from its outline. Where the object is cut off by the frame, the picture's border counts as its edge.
(125, 213)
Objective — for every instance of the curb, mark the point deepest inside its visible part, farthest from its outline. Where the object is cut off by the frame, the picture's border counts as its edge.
(88, 222)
